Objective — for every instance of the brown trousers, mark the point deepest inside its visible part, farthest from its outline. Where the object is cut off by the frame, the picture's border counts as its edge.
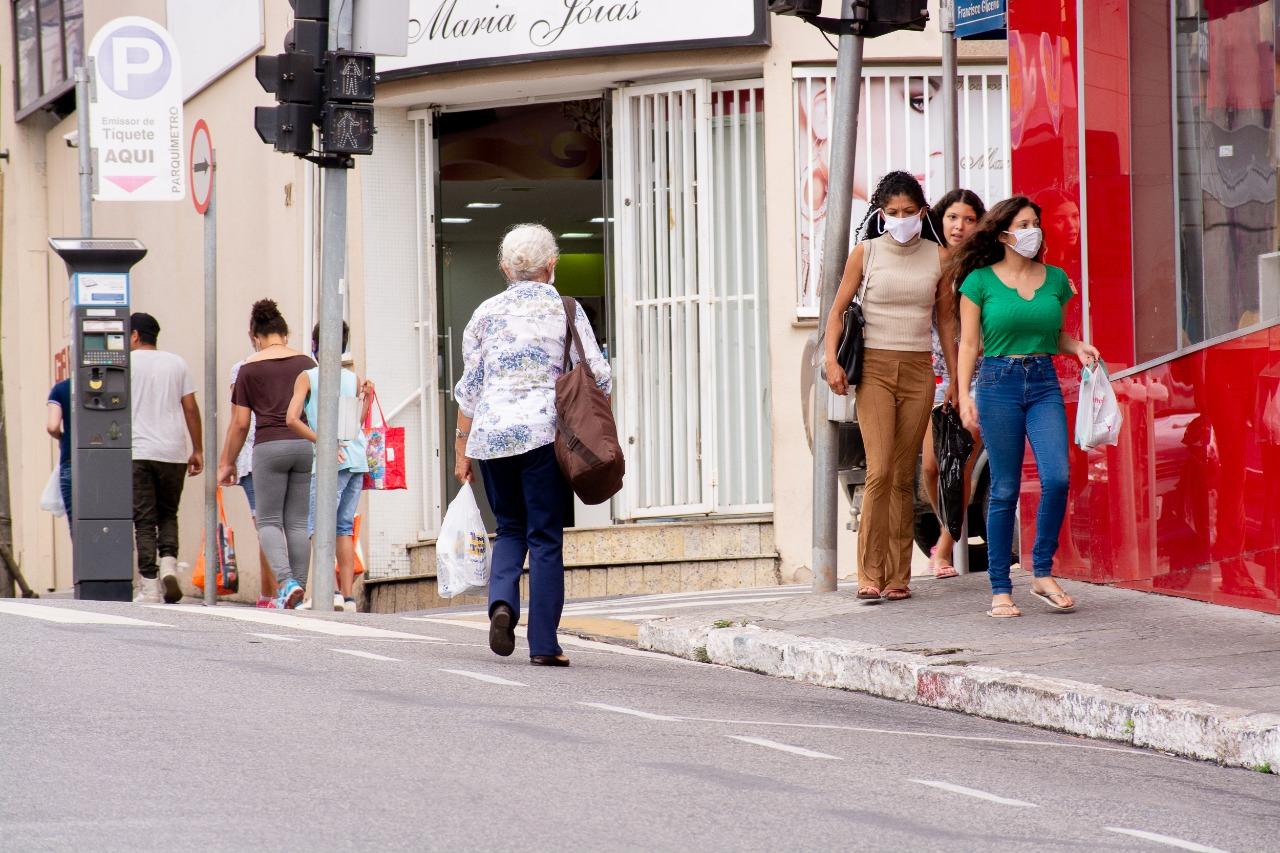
(893, 404)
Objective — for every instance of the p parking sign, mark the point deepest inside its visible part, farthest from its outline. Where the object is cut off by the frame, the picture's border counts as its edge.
(136, 128)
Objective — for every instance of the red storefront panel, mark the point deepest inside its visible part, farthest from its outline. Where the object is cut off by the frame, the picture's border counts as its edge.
(1188, 503)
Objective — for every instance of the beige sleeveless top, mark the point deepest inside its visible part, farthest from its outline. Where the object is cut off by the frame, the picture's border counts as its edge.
(899, 288)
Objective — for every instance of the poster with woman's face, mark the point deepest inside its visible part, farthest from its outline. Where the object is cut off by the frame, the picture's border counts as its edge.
(900, 127)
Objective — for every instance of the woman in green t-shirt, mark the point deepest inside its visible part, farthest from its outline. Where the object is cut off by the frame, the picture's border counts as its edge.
(1011, 309)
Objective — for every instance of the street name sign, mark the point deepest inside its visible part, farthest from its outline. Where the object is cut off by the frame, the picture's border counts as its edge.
(974, 17)
(135, 131)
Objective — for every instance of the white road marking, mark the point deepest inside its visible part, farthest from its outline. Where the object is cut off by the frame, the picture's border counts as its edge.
(366, 655)
(1164, 839)
(631, 600)
(488, 679)
(975, 738)
(71, 616)
(645, 715)
(972, 792)
(565, 640)
(277, 619)
(783, 747)
(280, 637)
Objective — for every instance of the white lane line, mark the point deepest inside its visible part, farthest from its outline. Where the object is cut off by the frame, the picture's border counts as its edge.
(565, 640)
(70, 616)
(644, 715)
(972, 792)
(281, 637)
(277, 619)
(783, 747)
(488, 679)
(366, 655)
(974, 738)
(1164, 839)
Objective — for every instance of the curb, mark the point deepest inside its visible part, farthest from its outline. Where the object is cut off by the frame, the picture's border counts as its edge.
(1229, 736)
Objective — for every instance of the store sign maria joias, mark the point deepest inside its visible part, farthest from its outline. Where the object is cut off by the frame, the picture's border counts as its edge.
(451, 34)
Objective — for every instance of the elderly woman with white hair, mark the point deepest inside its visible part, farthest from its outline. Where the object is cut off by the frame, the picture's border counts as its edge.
(513, 350)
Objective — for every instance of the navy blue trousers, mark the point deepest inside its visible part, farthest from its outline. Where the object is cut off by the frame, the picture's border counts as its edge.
(528, 495)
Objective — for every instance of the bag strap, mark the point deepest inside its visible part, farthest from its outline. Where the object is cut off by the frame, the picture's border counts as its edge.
(571, 334)
(222, 510)
(866, 280)
(368, 416)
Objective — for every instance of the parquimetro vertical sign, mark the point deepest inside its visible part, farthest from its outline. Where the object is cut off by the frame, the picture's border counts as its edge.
(136, 129)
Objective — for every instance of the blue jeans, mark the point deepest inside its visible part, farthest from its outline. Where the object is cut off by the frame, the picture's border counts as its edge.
(528, 495)
(1019, 399)
(350, 484)
(64, 484)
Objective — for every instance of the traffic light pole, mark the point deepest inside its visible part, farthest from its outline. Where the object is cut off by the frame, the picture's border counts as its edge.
(835, 253)
(332, 275)
(950, 109)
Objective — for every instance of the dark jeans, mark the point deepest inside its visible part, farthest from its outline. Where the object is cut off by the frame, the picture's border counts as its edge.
(528, 494)
(64, 483)
(157, 489)
(1019, 399)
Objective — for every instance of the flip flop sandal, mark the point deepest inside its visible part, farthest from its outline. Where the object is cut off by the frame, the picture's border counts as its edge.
(868, 593)
(995, 613)
(897, 594)
(946, 570)
(1048, 598)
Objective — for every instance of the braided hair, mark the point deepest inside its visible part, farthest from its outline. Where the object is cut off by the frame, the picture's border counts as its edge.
(892, 184)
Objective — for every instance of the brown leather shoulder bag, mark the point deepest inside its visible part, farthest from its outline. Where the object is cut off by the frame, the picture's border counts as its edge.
(587, 445)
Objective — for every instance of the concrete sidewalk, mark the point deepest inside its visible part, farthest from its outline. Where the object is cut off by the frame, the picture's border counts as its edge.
(1192, 679)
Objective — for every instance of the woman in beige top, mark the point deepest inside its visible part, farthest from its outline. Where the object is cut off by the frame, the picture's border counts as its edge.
(900, 276)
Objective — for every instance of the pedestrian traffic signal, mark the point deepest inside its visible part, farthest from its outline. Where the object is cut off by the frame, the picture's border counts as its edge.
(316, 87)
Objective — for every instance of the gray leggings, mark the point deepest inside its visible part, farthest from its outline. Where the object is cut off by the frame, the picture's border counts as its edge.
(282, 486)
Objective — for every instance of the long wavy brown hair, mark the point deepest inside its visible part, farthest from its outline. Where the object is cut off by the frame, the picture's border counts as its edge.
(983, 248)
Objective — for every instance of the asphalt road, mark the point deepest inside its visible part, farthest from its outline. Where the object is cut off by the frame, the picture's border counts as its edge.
(199, 730)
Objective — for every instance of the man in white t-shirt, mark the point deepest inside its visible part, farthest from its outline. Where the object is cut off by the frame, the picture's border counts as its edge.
(165, 415)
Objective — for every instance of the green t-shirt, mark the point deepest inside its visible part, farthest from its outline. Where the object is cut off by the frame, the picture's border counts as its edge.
(1012, 325)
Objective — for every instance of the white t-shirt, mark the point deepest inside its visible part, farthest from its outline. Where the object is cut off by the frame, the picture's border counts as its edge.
(158, 382)
(244, 462)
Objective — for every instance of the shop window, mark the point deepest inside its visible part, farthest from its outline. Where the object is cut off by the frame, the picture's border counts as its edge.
(900, 127)
(49, 44)
(1224, 101)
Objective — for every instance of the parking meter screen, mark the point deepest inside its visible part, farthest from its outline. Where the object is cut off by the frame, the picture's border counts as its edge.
(95, 343)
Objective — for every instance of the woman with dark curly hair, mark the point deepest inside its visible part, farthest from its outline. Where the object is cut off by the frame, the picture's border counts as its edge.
(281, 460)
(899, 278)
(1011, 308)
(955, 216)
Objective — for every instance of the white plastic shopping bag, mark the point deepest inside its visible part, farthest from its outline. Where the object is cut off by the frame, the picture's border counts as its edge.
(463, 553)
(1098, 417)
(51, 498)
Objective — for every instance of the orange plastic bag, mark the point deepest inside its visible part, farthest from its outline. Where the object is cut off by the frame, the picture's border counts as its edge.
(228, 576)
(355, 535)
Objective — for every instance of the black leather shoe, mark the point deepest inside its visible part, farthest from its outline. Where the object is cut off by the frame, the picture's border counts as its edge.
(502, 631)
(548, 660)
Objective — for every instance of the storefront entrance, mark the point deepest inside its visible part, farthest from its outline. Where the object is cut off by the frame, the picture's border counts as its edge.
(544, 163)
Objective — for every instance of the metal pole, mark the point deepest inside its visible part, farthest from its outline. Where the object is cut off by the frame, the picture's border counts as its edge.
(211, 391)
(83, 144)
(332, 271)
(950, 107)
(844, 105)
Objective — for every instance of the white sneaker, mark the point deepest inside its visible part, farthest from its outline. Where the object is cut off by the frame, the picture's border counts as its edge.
(349, 606)
(169, 580)
(338, 603)
(306, 605)
(148, 591)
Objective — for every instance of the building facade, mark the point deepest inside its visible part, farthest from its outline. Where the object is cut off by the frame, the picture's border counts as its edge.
(686, 181)
(1147, 132)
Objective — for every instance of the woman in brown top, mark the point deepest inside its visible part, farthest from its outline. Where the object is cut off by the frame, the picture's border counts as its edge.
(900, 277)
(281, 460)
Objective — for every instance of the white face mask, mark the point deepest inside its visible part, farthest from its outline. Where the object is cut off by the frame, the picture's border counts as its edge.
(1027, 241)
(903, 229)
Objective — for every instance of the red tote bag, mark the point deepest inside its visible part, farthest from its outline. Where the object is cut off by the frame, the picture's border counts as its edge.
(384, 446)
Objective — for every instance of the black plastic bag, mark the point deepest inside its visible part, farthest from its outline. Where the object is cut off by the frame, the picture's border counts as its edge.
(952, 445)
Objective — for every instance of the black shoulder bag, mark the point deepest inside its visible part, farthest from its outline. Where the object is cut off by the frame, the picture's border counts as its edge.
(853, 338)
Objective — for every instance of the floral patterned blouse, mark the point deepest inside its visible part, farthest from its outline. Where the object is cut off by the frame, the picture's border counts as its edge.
(512, 351)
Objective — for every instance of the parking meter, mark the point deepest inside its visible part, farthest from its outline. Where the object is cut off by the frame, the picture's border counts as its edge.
(101, 437)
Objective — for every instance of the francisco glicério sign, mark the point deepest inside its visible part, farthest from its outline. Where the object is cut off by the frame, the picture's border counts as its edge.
(135, 114)
(979, 16)
(451, 34)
